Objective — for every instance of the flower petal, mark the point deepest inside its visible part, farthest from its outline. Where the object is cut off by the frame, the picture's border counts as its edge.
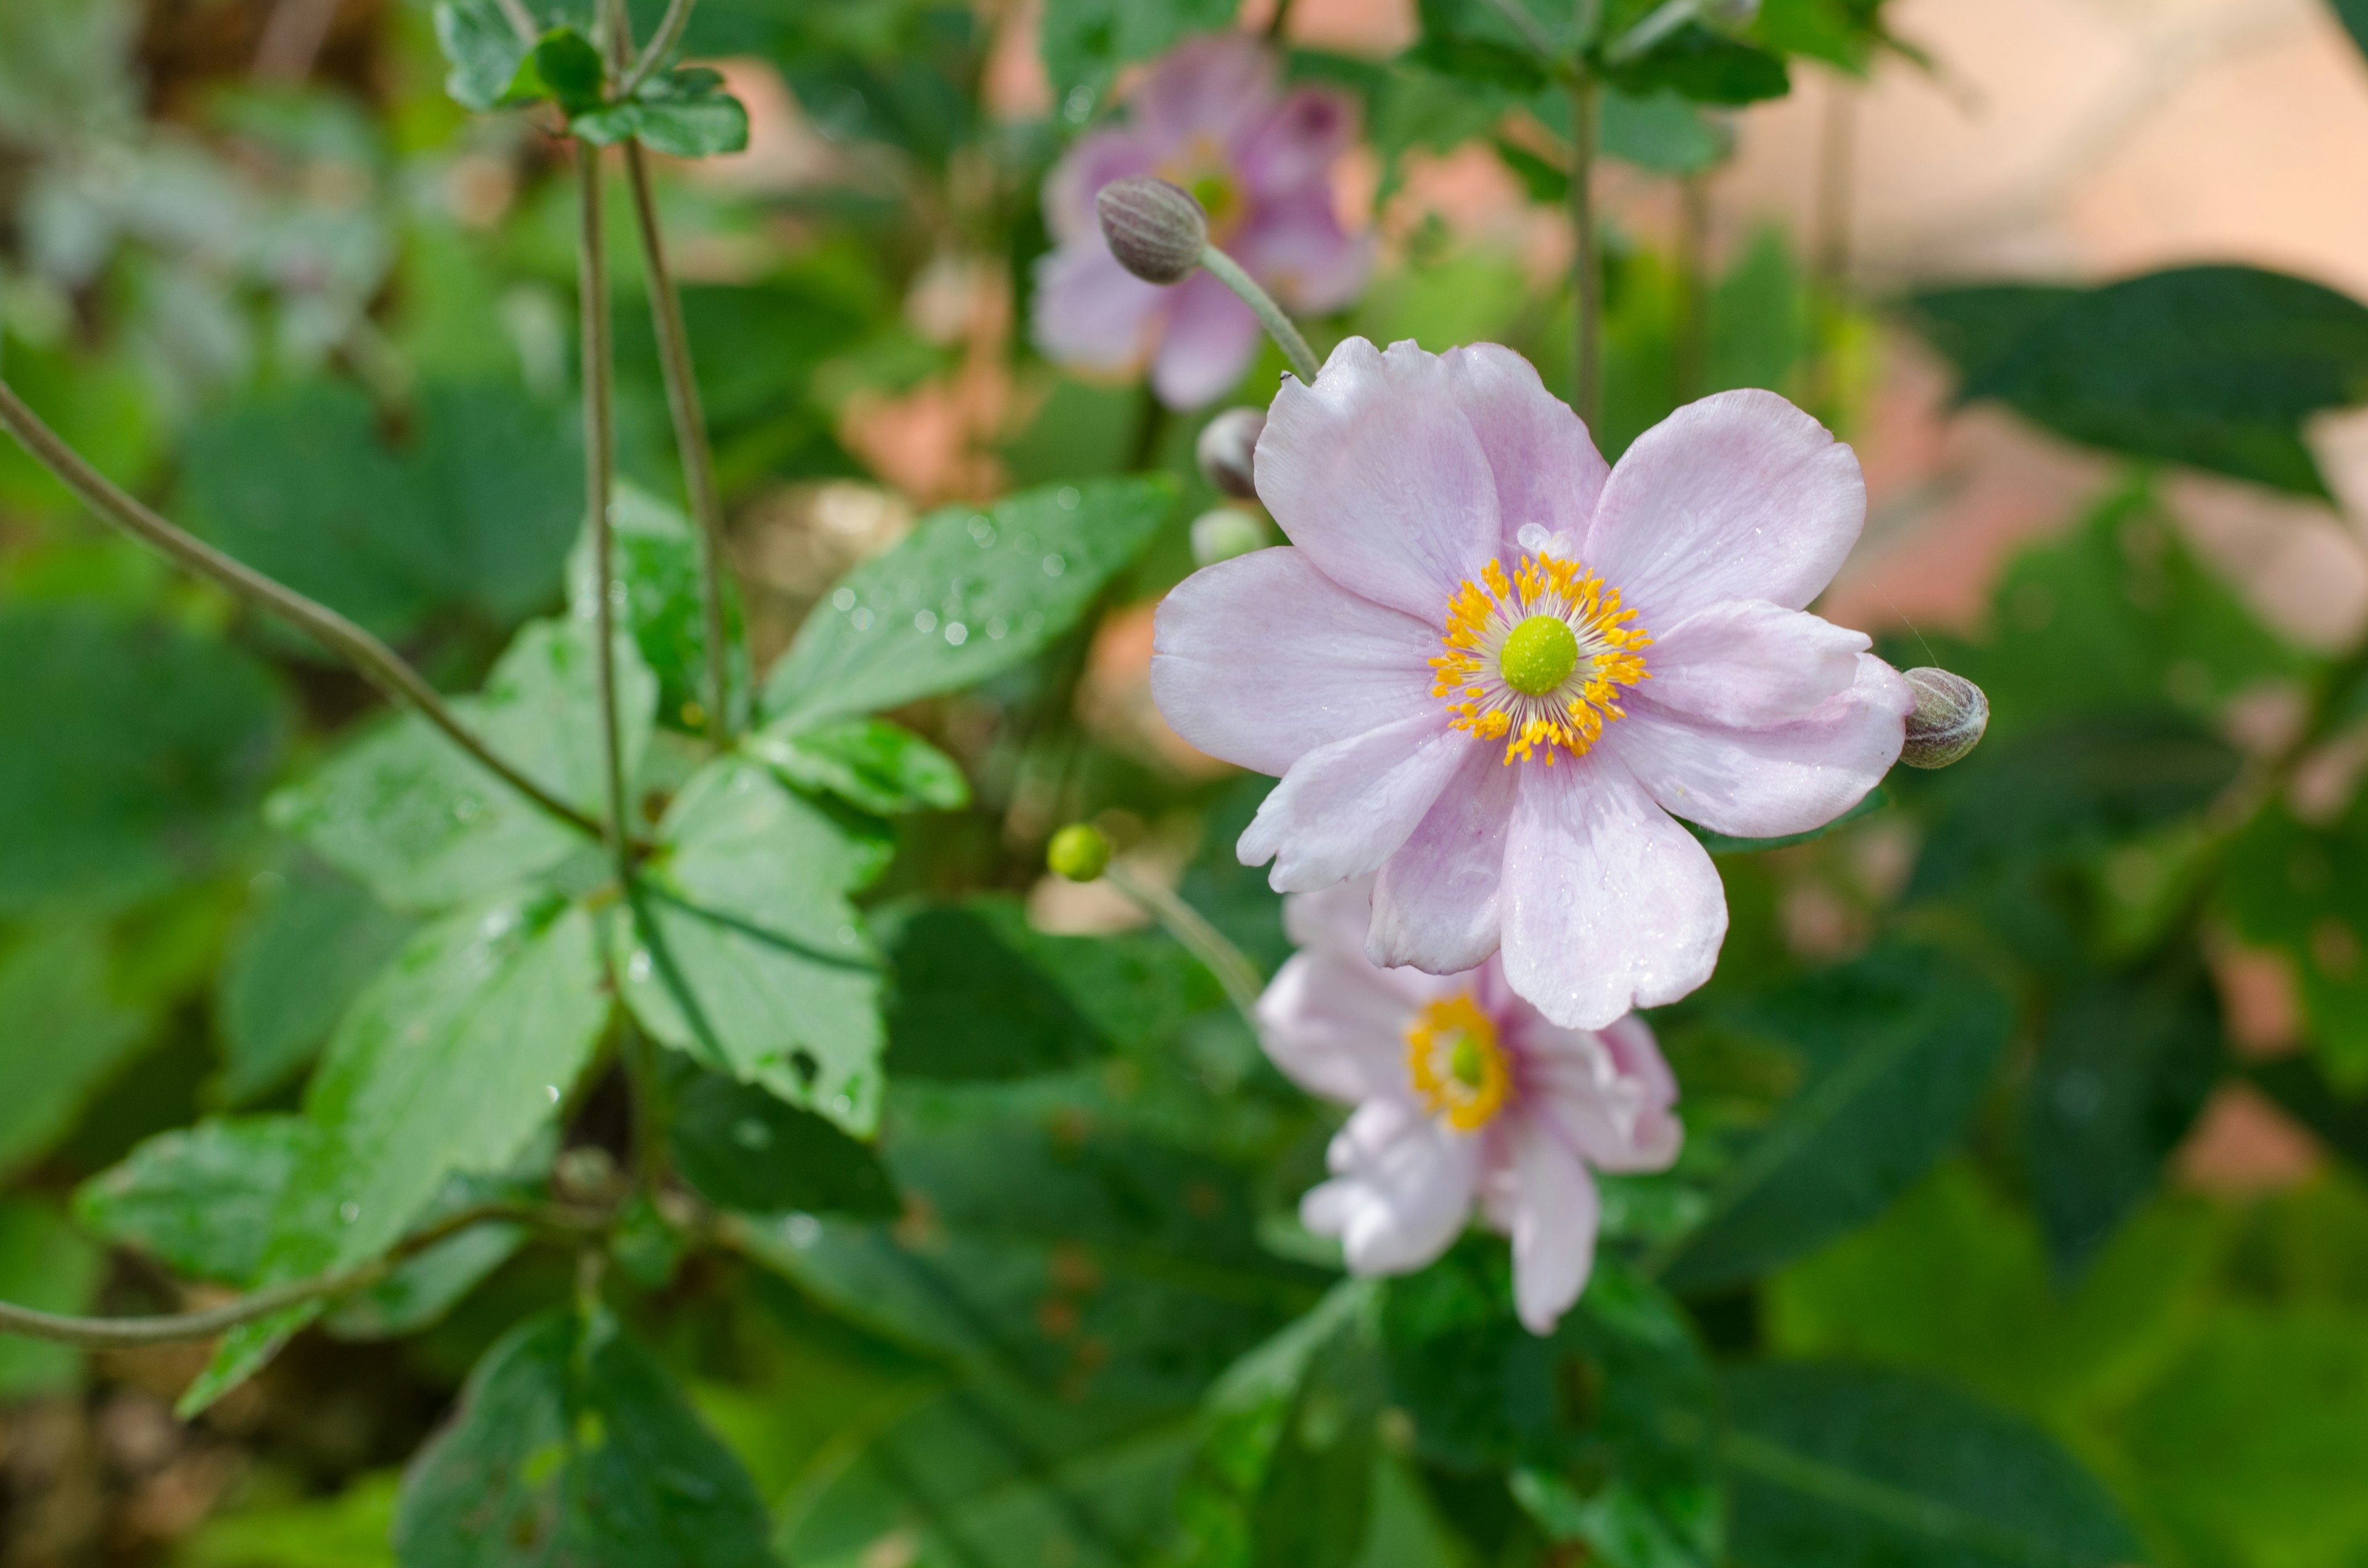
(1401, 1189)
(1547, 469)
(1078, 177)
(1090, 314)
(1751, 663)
(1337, 1027)
(1761, 783)
(1604, 1099)
(1296, 247)
(1292, 148)
(1209, 85)
(1435, 902)
(1738, 496)
(1261, 659)
(1210, 339)
(1608, 905)
(1345, 808)
(1554, 1211)
(1377, 475)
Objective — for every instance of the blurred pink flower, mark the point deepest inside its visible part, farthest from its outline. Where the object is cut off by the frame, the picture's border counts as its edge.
(1465, 1095)
(1211, 116)
(1492, 667)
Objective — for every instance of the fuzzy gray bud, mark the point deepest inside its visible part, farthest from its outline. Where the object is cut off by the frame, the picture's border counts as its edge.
(1155, 229)
(1950, 714)
(1227, 446)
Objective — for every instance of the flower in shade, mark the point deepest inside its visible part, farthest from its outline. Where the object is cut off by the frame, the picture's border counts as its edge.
(1491, 667)
(1212, 117)
(1466, 1097)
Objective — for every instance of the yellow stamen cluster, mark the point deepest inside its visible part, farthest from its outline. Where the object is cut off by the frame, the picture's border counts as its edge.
(1571, 714)
(1458, 1070)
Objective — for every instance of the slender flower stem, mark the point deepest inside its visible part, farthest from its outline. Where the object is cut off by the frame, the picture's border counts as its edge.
(379, 663)
(662, 42)
(599, 459)
(691, 441)
(1239, 977)
(1303, 363)
(1586, 266)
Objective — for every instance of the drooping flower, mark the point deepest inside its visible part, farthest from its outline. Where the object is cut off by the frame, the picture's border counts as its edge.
(1212, 117)
(1466, 1097)
(1491, 667)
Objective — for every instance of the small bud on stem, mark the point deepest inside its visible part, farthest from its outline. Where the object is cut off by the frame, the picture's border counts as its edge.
(1078, 852)
(1226, 448)
(1950, 716)
(1155, 229)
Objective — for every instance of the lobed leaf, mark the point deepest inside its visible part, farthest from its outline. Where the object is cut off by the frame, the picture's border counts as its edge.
(871, 764)
(309, 945)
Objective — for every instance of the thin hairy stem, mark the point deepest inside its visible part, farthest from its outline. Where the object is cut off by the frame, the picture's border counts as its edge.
(1234, 971)
(599, 463)
(662, 42)
(1303, 363)
(1587, 264)
(691, 441)
(380, 664)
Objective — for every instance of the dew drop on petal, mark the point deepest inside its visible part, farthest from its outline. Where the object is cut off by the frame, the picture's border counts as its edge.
(1532, 537)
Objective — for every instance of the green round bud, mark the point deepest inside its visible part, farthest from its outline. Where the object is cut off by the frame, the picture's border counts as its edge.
(1156, 230)
(1226, 532)
(1078, 852)
(1538, 655)
(1950, 715)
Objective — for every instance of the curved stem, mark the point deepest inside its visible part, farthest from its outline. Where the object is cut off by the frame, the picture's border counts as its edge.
(662, 42)
(378, 664)
(1586, 269)
(690, 442)
(1303, 363)
(1234, 971)
(599, 462)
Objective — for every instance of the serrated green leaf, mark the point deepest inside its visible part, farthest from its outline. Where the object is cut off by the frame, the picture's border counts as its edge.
(1898, 1046)
(482, 49)
(45, 1266)
(871, 764)
(657, 561)
(311, 941)
(968, 594)
(63, 1035)
(199, 1199)
(425, 826)
(573, 1445)
(743, 1149)
(1084, 41)
(745, 951)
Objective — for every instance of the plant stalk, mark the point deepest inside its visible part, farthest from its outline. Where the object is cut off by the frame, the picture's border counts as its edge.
(1303, 363)
(1586, 266)
(599, 462)
(378, 665)
(691, 441)
(1232, 970)
(662, 42)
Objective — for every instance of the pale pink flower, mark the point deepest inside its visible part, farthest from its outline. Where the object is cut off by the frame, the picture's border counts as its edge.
(1212, 117)
(1491, 667)
(1466, 1096)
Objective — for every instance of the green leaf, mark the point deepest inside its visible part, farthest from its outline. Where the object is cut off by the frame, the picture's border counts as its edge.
(657, 561)
(981, 993)
(482, 50)
(2353, 14)
(1707, 67)
(1086, 42)
(2294, 887)
(311, 943)
(1662, 131)
(871, 764)
(1837, 1465)
(63, 1035)
(199, 1199)
(426, 1285)
(573, 1446)
(2123, 1069)
(1475, 41)
(683, 114)
(564, 66)
(421, 823)
(746, 952)
(45, 1266)
(743, 1149)
(128, 752)
(2303, 1091)
(348, 1530)
(967, 594)
(1898, 1048)
(2216, 366)
(1844, 33)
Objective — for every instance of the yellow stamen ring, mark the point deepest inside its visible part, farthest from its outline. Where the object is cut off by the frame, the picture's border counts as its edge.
(1538, 659)
(1457, 1068)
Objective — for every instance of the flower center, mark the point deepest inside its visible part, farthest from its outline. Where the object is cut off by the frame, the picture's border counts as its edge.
(1205, 170)
(1538, 658)
(1458, 1070)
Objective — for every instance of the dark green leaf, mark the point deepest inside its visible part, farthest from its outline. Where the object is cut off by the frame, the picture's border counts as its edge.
(426, 1285)
(313, 940)
(64, 1033)
(657, 561)
(871, 764)
(746, 952)
(1707, 67)
(128, 751)
(967, 594)
(1661, 131)
(45, 1266)
(1475, 39)
(425, 826)
(1898, 1047)
(1086, 42)
(743, 1149)
(199, 1199)
(482, 49)
(1845, 33)
(564, 66)
(1839, 1467)
(683, 114)
(2217, 367)
(2298, 889)
(2302, 1090)
(2353, 14)
(572, 1445)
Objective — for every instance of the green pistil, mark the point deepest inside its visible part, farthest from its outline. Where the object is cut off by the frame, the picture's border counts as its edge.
(1539, 655)
(1467, 1064)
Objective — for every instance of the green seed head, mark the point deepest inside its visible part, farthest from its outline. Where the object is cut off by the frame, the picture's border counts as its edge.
(1467, 1063)
(1539, 655)
(1078, 852)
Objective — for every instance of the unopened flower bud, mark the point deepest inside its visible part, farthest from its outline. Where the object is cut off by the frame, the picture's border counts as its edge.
(1155, 229)
(1228, 444)
(1078, 852)
(1950, 714)
(1224, 532)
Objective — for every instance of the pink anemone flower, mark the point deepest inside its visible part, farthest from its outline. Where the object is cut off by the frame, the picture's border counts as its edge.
(1465, 1096)
(1212, 118)
(1491, 667)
